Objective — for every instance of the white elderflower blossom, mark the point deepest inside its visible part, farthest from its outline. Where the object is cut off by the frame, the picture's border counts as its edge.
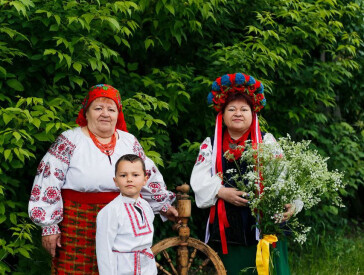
(279, 173)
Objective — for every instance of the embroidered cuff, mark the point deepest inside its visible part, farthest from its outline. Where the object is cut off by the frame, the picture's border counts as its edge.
(165, 208)
(50, 230)
(298, 206)
(171, 197)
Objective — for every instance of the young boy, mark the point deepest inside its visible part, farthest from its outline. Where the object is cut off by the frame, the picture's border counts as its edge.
(124, 231)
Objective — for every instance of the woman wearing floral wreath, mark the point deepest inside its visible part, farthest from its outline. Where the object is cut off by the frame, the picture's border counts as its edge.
(231, 226)
(75, 180)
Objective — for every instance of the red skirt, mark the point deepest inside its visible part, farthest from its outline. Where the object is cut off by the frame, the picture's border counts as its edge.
(77, 255)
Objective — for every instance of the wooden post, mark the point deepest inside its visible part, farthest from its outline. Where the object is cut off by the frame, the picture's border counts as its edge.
(184, 213)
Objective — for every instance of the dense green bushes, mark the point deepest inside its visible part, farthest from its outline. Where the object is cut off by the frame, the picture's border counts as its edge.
(163, 55)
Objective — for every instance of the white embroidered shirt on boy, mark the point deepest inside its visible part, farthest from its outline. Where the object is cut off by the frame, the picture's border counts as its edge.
(74, 162)
(124, 236)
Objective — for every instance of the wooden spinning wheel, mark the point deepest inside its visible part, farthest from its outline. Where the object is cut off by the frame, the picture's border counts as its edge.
(183, 255)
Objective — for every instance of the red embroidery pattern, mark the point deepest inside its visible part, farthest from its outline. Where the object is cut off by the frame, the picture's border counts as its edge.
(137, 265)
(62, 149)
(35, 195)
(51, 195)
(200, 159)
(47, 170)
(154, 187)
(59, 174)
(57, 215)
(171, 195)
(203, 146)
(138, 150)
(202, 155)
(149, 173)
(159, 198)
(50, 230)
(40, 167)
(165, 207)
(37, 214)
(136, 217)
(154, 169)
(138, 230)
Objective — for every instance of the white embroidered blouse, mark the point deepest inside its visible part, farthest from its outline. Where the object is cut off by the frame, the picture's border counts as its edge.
(74, 162)
(124, 235)
(206, 186)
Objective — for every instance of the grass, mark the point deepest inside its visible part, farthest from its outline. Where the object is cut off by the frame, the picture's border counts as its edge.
(330, 255)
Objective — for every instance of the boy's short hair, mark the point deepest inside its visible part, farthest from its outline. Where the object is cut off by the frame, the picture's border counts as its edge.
(131, 158)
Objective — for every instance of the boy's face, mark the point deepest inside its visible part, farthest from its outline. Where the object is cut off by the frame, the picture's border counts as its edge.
(130, 178)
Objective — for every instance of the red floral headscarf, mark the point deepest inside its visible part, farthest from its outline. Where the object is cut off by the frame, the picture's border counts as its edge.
(102, 90)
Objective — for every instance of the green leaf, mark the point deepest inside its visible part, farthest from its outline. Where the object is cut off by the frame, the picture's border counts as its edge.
(36, 122)
(170, 8)
(125, 42)
(7, 153)
(15, 84)
(2, 208)
(93, 63)
(13, 218)
(43, 137)
(148, 42)
(7, 118)
(19, 155)
(16, 135)
(2, 71)
(77, 66)
(113, 23)
(139, 123)
(54, 28)
(77, 80)
(132, 66)
(58, 19)
(159, 121)
(68, 60)
(19, 7)
(24, 252)
(49, 127)
(49, 51)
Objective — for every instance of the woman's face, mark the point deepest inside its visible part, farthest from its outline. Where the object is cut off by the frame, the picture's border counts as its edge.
(102, 115)
(238, 116)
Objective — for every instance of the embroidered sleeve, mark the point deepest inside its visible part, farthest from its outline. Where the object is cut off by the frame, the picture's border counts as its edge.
(45, 203)
(204, 185)
(155, 191)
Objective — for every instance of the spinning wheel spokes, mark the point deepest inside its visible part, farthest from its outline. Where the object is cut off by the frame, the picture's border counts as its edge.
(166, 256)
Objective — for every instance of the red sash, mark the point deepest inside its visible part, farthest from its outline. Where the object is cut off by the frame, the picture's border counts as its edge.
(256, 137)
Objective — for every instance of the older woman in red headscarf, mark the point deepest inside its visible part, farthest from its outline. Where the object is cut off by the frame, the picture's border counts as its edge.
(231, 226)
(75, 180)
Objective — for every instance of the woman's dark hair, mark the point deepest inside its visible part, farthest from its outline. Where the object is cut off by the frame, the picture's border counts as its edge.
(131, 158)
(235, 96)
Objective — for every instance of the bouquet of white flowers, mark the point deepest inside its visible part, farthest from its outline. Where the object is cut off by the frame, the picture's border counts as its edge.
(279, 174)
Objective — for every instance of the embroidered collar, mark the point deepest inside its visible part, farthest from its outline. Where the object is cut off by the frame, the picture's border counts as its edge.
(129, 200)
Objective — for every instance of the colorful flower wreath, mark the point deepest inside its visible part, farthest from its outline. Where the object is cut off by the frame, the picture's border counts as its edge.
(223, 86)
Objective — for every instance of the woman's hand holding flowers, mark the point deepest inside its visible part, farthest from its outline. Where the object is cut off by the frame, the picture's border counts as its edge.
(290, 211)
(233, 196)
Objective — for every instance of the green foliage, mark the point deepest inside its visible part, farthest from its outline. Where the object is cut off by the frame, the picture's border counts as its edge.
(339, 253)
(163, 56)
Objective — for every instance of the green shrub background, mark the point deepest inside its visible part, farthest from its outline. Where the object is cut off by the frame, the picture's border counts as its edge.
(163, 56)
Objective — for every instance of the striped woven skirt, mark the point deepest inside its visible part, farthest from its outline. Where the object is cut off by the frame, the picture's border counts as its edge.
(77, 256)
